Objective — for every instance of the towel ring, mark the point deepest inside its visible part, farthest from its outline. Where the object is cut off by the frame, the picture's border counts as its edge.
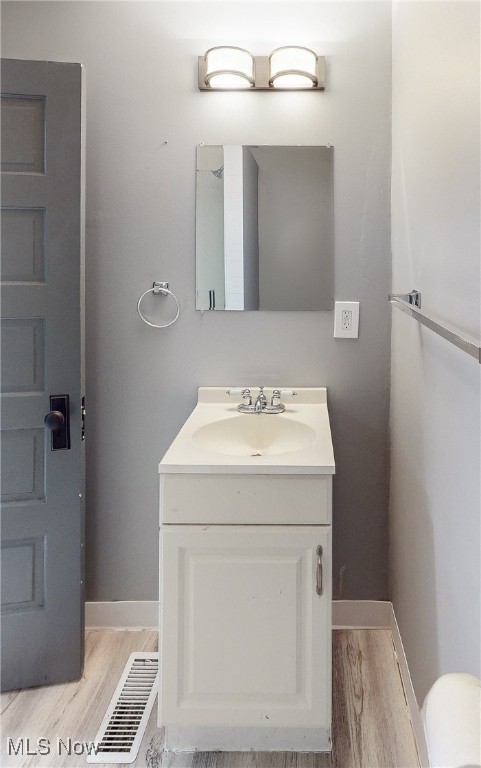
(163, 289)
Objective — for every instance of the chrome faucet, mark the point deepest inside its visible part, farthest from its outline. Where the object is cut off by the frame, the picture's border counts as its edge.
(261, 401)
(260, 405)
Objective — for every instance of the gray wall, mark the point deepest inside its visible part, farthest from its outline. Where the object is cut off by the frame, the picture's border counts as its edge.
(435, 394)
(141, 60)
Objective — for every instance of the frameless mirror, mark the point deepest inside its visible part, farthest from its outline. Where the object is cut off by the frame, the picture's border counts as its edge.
(264, 228)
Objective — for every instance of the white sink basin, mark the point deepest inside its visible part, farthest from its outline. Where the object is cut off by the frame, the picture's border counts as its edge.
(216, 438)
(254, 435)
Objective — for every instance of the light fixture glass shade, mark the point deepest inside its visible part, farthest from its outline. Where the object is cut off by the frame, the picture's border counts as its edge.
(229, 67)
(293, 67)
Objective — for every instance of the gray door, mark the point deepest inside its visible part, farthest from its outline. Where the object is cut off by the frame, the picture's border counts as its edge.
(42, 530)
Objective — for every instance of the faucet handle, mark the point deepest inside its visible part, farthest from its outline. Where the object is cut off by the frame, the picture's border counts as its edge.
(287, 392)
(243, 392)
(276, 398)
(277, 394)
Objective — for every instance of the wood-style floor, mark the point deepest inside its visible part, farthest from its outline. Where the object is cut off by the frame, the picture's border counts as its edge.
(371, 725)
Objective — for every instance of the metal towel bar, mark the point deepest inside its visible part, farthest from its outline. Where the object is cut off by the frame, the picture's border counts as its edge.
(410, 303)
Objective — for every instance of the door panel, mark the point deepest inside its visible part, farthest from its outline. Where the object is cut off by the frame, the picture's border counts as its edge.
(23, 465)
(23, 575)
(23, 133)
(42, 513)
(23, 355)
(23, 245)
(245, 637)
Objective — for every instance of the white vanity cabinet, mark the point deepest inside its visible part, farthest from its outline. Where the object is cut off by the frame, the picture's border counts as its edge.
(245, 630)
(245, 593)
(245, 634)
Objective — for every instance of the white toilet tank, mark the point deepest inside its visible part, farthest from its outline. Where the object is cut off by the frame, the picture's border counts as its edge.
(452, 722)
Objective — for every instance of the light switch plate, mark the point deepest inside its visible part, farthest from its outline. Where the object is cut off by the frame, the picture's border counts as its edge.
(346, 320)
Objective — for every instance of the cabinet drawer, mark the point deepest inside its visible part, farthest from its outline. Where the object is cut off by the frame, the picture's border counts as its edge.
(254, 499)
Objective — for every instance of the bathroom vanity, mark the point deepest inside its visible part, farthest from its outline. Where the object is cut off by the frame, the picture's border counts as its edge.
(245, 576)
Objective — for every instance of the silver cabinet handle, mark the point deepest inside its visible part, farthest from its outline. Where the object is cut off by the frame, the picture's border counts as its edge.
(319, 570)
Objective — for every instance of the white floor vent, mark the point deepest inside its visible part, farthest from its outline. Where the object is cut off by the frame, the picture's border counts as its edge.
(120, 734)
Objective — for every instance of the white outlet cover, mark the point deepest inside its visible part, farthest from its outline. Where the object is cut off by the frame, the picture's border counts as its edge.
(339, 331)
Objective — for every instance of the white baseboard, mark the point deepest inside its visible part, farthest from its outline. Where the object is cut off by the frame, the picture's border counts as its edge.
(361, 614)
(346, 614)
(414, 711)
(122, 614)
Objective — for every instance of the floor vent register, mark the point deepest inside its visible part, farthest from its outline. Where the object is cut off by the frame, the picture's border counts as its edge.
(120, 734)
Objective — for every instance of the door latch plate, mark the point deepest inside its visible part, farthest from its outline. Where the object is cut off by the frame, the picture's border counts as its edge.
(60, 438)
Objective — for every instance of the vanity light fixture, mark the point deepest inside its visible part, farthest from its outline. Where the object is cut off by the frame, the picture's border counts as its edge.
(293, 67)
(287, 68)
(227, 67)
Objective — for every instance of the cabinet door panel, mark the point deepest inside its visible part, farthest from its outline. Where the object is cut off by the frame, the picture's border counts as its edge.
(245, 638)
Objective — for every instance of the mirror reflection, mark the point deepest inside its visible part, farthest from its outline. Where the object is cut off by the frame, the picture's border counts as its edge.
(264, 228)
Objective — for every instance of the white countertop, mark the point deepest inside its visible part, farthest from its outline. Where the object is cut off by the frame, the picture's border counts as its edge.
(308, 411)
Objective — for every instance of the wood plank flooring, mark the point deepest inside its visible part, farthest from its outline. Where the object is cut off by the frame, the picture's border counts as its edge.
(371, 725)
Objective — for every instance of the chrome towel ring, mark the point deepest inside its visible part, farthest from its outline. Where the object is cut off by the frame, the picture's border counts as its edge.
(163, 290)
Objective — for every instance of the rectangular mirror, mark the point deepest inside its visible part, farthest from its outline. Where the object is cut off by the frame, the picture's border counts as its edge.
(264, 228)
